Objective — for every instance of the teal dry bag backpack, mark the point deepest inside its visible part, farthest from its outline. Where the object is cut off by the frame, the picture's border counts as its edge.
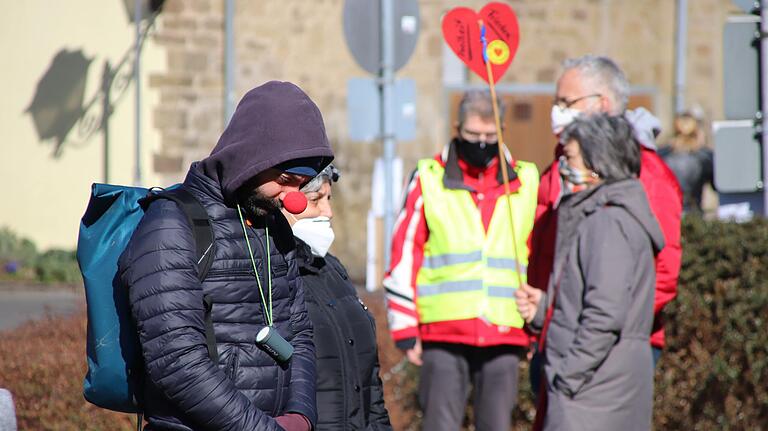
(113, 380)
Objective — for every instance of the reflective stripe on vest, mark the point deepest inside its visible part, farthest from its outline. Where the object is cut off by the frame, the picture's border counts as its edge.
(467, 273)
(450, 287)
(434, 262)
(502, 263)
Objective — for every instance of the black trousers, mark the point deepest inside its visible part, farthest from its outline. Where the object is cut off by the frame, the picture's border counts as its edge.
(446, 374)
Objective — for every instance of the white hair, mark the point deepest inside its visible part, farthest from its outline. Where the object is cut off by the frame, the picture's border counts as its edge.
(330, 175)
(603, 72)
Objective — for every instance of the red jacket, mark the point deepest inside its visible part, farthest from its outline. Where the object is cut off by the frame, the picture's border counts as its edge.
(409, 236)
(665, 198)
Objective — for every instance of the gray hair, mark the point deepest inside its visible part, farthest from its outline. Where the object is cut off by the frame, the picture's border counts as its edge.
(603, 72)
(480, 103)
(606, 145)
(330, 175)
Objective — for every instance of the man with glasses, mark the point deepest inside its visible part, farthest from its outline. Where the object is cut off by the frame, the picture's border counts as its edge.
(590, 85)
(450, 287)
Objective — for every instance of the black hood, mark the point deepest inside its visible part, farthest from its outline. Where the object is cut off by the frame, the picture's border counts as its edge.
(274, 123)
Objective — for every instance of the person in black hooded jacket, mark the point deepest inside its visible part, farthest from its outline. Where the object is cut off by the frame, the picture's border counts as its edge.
(349, 390)
(275, 142)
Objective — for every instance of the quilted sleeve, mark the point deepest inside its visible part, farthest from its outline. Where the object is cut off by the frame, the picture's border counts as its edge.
(159, 269)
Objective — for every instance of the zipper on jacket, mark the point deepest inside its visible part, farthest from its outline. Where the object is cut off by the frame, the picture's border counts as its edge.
(232, 363)
(279, 392)
(228, 273)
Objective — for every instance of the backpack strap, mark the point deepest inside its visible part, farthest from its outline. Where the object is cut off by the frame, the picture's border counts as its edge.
(202, 232)
(198, 220)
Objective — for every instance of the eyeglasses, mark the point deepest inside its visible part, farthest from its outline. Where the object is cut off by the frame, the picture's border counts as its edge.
(562, 102)
(474, 136)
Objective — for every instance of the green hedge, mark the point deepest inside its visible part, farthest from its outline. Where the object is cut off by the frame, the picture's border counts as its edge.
(20, 261)
(713, 374)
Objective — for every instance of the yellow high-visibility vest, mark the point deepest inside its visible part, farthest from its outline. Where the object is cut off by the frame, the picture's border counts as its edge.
(467, 273)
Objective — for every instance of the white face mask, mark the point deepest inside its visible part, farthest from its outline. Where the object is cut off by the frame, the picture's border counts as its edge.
(316, 232)
(573, 175)
(561, 117)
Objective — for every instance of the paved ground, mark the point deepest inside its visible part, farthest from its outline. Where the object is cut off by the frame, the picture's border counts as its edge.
(20, 305)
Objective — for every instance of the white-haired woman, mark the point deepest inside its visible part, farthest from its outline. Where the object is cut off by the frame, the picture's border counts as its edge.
(349, 390)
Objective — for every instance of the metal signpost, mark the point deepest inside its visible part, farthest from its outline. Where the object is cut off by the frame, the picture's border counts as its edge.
(741, 141)
(382, 39)
(764, 90)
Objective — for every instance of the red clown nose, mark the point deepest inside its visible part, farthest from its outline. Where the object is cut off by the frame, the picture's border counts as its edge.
(295, 202)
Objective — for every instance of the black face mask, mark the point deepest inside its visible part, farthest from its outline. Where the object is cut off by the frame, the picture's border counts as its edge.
(477, 154)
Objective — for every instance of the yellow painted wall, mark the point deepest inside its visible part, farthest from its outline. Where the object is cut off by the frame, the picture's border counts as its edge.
(43, 197)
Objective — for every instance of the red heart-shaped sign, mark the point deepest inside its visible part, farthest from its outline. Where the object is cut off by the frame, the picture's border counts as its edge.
(462, 29)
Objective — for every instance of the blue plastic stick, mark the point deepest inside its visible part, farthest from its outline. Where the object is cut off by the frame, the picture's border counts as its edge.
(485, 43)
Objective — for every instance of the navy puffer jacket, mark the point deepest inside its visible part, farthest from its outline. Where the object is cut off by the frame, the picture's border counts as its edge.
(273, 124)
(184, 389)
(349, 391)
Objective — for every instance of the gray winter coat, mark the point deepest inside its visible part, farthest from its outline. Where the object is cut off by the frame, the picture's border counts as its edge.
(598, 357)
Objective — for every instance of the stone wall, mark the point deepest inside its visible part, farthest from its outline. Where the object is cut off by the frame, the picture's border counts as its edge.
(302, 41)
